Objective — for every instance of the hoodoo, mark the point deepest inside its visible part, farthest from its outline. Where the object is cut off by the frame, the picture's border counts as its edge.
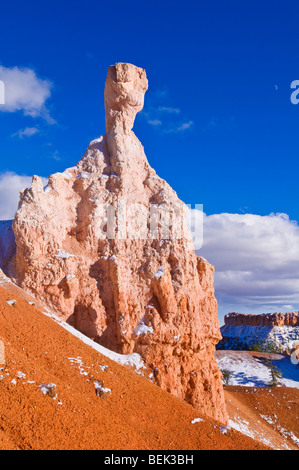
(105, 246)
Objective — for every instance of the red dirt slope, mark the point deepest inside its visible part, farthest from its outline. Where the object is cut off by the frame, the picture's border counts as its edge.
(269, 415)
(136, 415)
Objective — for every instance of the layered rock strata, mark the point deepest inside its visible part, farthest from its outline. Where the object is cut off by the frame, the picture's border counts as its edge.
(106, 247)
(264, 319)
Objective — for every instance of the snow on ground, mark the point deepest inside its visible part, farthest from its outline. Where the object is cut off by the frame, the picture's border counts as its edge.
(242, 336)
(258, 433)
(142, 328)
(196, 420)
(134, 360)
(250, 371)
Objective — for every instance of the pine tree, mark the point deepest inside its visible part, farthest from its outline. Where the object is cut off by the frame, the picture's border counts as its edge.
(225, 376)
(275, 374)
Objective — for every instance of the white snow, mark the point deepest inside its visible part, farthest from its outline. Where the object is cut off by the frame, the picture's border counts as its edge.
(142, 328)
(282, 336)
(66, 173)
(252, 372)
(159, 273)
(283, 432)
(196, 420)
(134, 359)
(243, 426)
(289, 434)
(114, 259)
(47, 388)
(99, 386)
(224, 429)
(84, 174)
(21, 375)
(62, 254)
(99, 140)
(78, 360)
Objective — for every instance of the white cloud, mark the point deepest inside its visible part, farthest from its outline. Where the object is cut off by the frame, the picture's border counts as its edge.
(26, 92)
(256, 259)
(27, 132)
(175, 128)
(169, 109)
(155, 122)
(10, 186)
(185, 126)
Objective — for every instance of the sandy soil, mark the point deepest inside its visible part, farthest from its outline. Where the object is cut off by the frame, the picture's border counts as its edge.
(135, 415)
(270, 415)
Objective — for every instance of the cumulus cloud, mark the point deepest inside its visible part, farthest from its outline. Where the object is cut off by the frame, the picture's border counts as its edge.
(10, 186)
(256, 260)
(26, 92)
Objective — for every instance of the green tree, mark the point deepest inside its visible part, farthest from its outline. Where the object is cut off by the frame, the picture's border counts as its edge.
(226, 374)
(275, 374)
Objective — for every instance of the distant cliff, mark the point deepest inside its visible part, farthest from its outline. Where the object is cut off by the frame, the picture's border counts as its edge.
(264, 319)
(269, 331)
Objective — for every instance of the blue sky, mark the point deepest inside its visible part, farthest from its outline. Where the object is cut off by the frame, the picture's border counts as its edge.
(218, 122)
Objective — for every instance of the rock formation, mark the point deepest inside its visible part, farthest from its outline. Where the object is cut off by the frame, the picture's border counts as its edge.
(105, 246)
(271, 331)
(264, 319)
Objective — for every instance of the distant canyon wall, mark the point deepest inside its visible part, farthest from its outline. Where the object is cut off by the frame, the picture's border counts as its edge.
(265, 319)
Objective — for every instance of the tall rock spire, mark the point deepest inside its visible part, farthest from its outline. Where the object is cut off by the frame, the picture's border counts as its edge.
(125, 87)
(106, 247)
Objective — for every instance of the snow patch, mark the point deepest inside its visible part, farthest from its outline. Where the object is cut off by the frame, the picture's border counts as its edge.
(134, 360)
(63, 254)
(197, 420)
(159, 273)
(142, 328)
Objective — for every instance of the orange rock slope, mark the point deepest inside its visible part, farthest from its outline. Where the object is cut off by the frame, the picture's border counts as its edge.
(105, 245)
(136, 414)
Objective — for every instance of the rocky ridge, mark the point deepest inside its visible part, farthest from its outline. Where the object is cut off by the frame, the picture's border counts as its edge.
(264, 319)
